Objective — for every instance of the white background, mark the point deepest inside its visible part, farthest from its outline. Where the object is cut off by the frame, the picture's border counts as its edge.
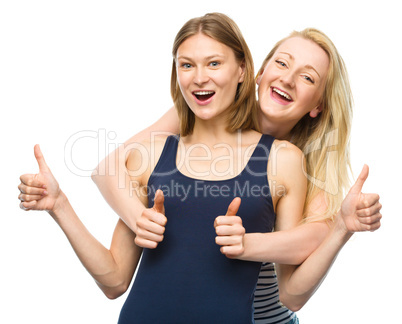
(101, 66)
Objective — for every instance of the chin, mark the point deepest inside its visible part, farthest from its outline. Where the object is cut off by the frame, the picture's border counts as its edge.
(203, 115)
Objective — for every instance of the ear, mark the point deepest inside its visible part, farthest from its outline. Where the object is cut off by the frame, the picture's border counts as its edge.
(316, 111)
(242, 72)
(259, 77)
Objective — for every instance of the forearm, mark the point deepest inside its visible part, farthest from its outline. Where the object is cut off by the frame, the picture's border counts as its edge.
(297, 285)
(285, 247)
(97, 259)
(119, 191)
(112, 177)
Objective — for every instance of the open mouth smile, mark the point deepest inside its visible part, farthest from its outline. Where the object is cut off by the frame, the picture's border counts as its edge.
(203, 97)
(280, 96)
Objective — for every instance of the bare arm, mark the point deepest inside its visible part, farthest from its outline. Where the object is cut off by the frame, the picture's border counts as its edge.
(288, 246)
(359, 212)
(288, 292)
(112, 269)
(111, 175)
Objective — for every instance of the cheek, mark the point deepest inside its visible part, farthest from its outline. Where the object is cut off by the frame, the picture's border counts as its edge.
(183, 80)
(228, 82)
(316, 98)
(266, 81)
(310, 97)
(261, 94)
(270, 73)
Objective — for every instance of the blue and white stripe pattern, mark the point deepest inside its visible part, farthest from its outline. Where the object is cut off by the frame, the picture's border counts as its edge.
(267, 307)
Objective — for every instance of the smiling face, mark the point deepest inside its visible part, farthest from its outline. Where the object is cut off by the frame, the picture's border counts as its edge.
(208, 75)
(293, 82)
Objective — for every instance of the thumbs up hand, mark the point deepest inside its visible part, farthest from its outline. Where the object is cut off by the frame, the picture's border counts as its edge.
(151, 224)
(361, 212)
(230, 231)
(39, 191)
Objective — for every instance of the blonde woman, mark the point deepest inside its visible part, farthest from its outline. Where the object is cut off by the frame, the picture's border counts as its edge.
(314, 112)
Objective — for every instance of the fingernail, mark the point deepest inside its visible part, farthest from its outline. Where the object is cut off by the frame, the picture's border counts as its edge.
(45, 193)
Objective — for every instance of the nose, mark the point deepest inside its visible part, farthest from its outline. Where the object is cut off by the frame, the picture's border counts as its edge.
(201, 76)
(288, 78)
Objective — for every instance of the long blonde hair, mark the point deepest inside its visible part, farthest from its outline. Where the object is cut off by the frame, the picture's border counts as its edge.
(325, 139)
(243, 111)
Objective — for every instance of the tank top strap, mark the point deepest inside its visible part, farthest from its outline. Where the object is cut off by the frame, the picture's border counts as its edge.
(264, 145)
(258, 162)
(167, 161)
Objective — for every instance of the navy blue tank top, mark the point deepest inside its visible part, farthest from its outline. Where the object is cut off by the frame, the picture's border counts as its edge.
(186, 279)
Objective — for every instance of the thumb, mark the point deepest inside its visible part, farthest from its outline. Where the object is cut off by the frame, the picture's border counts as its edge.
(40, 159)
(158, 202)
(233, 207)
(357, 187)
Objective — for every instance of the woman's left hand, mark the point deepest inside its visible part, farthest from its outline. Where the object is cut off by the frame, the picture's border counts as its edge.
(230, 231)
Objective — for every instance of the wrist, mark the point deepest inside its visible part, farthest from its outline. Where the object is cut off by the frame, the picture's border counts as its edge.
(340, 229)
(59, 205)
(243, 255)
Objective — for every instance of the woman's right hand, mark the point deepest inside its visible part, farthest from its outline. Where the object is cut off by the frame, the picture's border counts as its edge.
(39, 191)
(151, 224)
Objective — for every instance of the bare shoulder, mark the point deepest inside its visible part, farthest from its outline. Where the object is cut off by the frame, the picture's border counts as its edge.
(250, 138)
(287, 163)
(156, 141)
(143, 156)
(286, 150)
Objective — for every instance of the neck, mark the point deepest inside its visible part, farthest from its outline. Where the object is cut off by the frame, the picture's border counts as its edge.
(209, 131)
(204, 133)
(276, 129)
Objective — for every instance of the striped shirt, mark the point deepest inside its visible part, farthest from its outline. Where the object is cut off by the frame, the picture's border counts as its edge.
(267, 307)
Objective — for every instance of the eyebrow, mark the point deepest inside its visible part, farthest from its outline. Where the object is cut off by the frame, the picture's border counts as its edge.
(206, 59)
(308, 66)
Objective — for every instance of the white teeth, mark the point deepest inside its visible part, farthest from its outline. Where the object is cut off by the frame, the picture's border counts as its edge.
(203, 93)
(283, 94)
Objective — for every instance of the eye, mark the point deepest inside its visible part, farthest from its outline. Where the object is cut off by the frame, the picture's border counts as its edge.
(186, 65)
(306, 77)
(280, 63)
(214, 64)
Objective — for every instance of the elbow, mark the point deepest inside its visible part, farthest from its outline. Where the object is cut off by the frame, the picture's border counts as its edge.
(294, 307)
(113, 287)
(114, 292)
(112, 295)
(100, 178)
(293, 303)
(95, 175)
